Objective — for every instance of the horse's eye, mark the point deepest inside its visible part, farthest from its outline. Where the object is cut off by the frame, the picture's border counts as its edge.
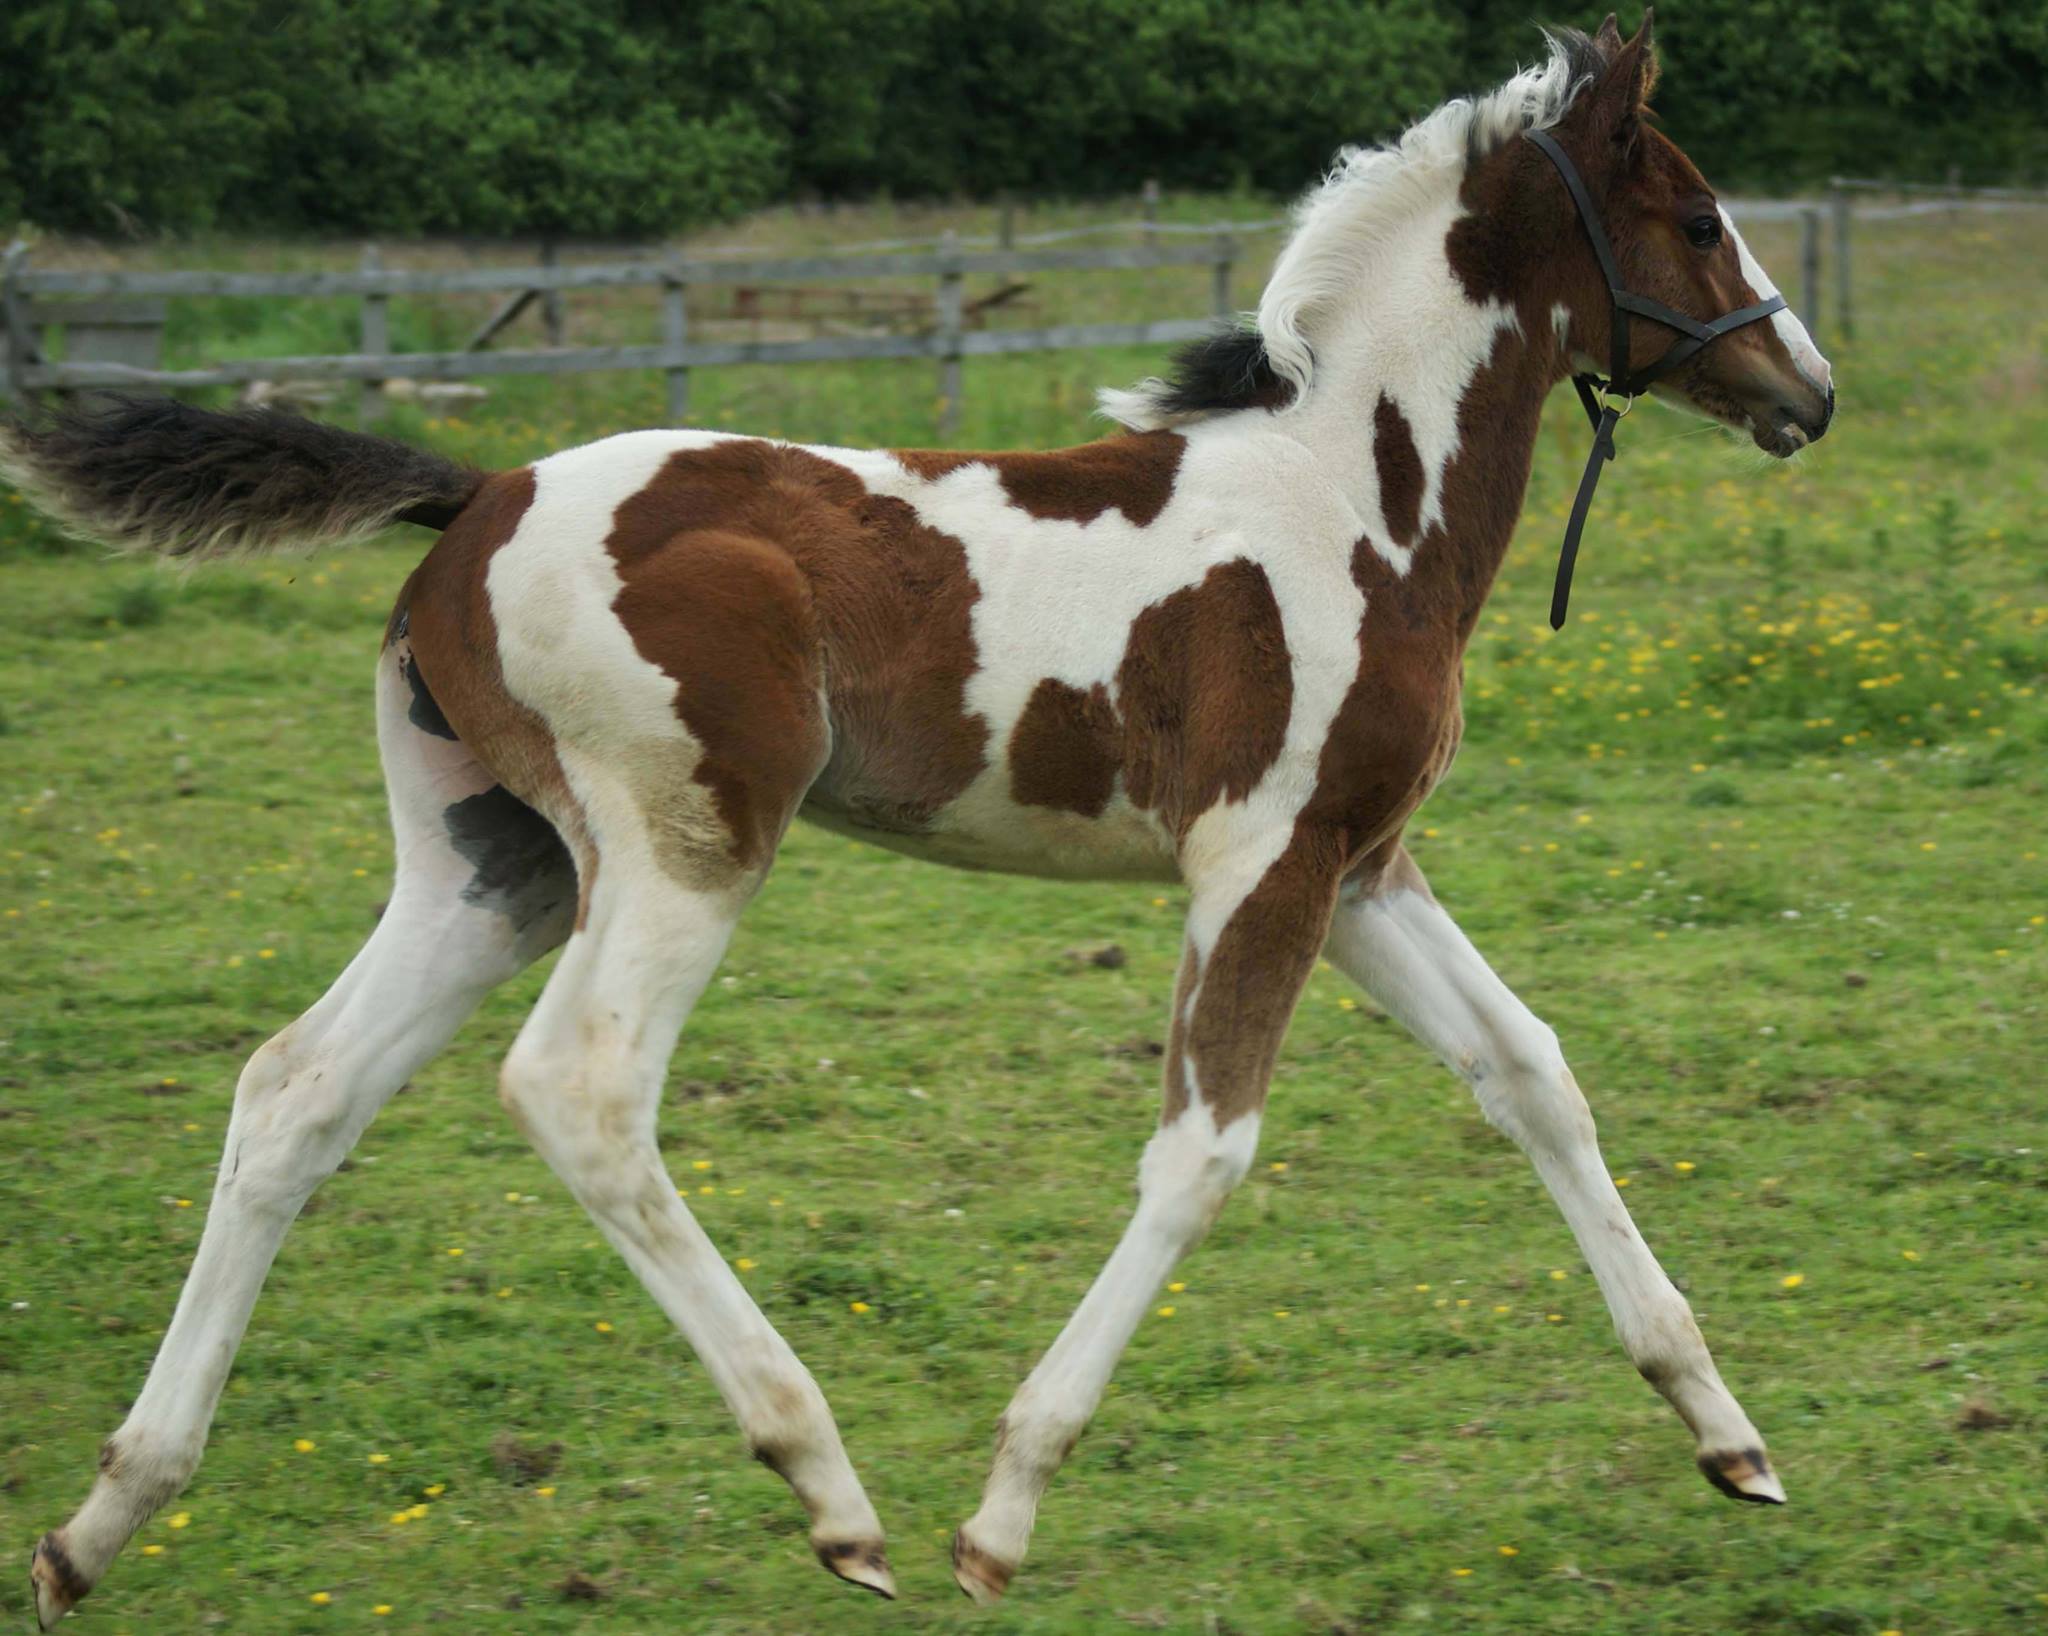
(1704, 232)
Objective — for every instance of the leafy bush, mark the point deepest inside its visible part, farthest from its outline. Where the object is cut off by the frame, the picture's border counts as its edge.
(621, 117)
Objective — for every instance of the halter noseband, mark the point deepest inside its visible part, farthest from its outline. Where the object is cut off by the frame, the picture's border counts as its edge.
(1598, 394)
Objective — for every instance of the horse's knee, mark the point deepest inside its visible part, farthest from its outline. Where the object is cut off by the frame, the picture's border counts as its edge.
(293, 1112)
(1525, 1088)
(1191, 1167)
(523, 1078)
(587, 1112)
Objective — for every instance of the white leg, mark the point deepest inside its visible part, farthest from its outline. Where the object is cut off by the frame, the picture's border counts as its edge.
(1398, 945)
(584, 1082)
(1250, 947)
(306, 1096)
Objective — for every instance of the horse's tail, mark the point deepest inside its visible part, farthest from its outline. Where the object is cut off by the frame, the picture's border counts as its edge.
(160, 476)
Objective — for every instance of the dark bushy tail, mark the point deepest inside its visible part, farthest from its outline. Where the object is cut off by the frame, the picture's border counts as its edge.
(153, 474)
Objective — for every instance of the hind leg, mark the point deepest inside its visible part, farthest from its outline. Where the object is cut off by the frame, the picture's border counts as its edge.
(483, 887)
(584, 1082)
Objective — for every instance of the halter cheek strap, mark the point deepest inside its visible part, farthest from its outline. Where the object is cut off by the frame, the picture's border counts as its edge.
(1597, 393)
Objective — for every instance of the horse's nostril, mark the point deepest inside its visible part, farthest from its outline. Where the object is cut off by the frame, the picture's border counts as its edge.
(1814, 426)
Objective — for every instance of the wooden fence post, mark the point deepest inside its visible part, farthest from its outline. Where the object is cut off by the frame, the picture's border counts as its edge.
(1845, 318)
(1006, 224)
(551, 299)
(1809, 271)
(1219, 289)
(14, 313)
(675, 332)
(1148, 207)
(949, 336)
(376, 340)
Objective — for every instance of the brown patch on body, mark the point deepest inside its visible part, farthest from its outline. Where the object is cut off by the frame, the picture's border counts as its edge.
(1133, 474)
(1245, 993)
(1064, 749)
(1399, 465)
(1205, 689)
(728, 616)
(1200, 712)
(1398, 728)
(829, 587)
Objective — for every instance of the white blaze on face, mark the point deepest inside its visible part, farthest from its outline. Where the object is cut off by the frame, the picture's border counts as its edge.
(1806, 356)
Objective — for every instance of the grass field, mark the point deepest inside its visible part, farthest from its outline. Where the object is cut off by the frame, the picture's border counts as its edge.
(1759, 833)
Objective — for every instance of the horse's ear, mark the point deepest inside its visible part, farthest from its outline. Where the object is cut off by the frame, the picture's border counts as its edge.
(1612, 105)
(1646, 75)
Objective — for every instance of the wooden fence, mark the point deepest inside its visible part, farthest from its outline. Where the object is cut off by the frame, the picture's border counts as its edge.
(32, 299)
(113, 321)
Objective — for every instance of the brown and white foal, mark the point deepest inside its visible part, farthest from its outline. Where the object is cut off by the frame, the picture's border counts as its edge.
(1224, 646)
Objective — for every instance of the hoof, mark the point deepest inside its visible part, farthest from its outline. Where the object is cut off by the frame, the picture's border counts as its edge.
(982, 1576)
(58, 1586)
(1746, 1475)
(860, 1562)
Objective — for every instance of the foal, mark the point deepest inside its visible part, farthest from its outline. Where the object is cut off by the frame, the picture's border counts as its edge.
(1223, 647)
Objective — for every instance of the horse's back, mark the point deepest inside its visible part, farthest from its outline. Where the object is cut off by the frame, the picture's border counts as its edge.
(1048, 662)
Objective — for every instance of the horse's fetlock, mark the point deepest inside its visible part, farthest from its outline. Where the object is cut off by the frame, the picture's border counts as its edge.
(146, 1471)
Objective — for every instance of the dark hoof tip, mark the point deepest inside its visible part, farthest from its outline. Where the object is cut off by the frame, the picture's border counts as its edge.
(860, 1562)
(981, 1576)
(56, 1586)
(1745, 1475)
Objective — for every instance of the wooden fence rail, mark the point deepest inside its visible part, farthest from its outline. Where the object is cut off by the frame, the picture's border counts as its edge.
(56, 293)
(94, 306)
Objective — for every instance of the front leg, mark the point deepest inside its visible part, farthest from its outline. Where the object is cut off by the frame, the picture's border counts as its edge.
(1390, 937)
(1254, 925)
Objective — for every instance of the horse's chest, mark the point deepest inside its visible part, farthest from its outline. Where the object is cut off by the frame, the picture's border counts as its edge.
(1395, 735)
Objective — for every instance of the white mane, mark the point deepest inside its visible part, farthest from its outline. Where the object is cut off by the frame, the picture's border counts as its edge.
(1368, 190)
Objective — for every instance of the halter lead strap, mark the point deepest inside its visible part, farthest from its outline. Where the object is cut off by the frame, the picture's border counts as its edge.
(1597, 394)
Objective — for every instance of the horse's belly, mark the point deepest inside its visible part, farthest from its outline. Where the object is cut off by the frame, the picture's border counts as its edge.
(987, 829)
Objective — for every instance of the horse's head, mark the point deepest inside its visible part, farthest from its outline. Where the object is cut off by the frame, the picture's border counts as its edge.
(1675, 244)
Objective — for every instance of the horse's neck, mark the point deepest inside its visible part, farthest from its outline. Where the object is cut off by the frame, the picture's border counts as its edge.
(1411, 357)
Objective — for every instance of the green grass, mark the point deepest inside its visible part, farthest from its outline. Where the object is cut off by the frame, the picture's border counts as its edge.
(1789, 926)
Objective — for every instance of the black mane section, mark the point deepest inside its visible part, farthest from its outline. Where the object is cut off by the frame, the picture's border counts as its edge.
(1582, 55)
(1227, 370)
(1584, 63)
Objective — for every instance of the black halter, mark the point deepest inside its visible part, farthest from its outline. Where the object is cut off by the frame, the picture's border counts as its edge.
(1598, 394)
